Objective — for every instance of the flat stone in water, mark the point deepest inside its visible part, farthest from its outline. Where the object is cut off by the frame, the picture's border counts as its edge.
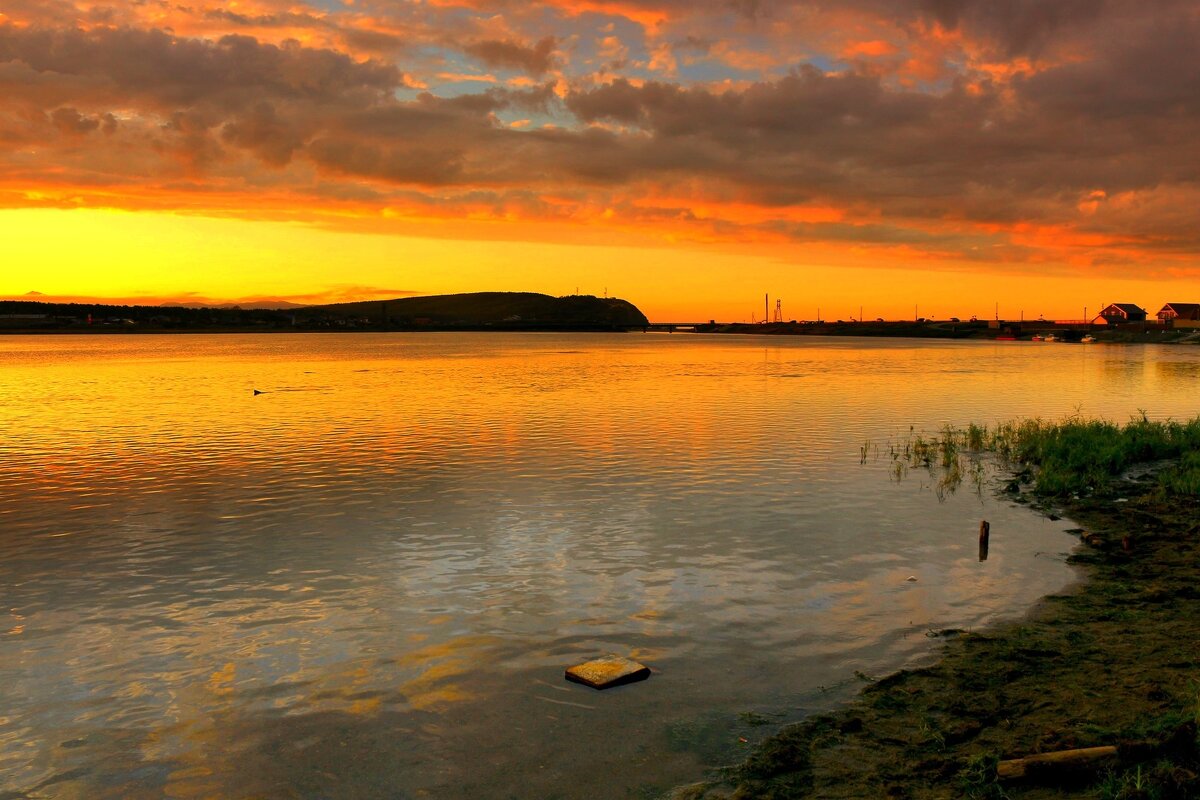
(610, 671)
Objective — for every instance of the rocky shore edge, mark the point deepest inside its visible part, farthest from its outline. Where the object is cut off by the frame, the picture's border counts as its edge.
(1112, 662)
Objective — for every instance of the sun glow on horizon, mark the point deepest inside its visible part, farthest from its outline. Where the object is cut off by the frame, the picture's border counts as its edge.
(155, 257)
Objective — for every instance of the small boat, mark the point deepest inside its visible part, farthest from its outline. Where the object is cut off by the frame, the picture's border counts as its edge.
(1088, 339)
(1051, 338)
(1037, 337)
(1006, 338)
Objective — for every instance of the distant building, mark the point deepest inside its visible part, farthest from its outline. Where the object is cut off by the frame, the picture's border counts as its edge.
(1119, 313)
(1174, 311)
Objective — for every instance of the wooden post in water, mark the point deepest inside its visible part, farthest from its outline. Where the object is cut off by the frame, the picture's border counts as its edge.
(985, 530)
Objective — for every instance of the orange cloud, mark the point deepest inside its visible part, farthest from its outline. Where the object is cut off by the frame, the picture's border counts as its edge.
(869, 49)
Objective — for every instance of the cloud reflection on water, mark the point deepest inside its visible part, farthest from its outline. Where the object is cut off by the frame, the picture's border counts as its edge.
(374, 589)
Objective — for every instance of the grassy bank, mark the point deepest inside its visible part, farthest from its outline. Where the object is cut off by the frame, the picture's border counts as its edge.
(1114, 662)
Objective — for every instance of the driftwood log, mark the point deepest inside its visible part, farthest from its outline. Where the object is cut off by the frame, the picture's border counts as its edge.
(1048, 764)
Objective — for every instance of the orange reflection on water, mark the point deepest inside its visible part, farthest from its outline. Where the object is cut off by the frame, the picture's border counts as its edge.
(402, 543)
(441, 667)
(321, 400)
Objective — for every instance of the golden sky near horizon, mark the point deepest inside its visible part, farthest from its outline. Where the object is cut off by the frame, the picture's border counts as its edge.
(947, 155)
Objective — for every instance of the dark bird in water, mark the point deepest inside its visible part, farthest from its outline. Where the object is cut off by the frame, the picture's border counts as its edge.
(256, 391)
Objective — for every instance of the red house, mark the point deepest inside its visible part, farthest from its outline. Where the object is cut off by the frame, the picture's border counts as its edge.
(1119, 313)
(1173, 311)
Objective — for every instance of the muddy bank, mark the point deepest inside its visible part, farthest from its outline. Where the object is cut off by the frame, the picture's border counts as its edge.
(1113, 661)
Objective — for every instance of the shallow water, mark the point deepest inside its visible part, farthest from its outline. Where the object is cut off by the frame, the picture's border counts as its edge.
(367, 581)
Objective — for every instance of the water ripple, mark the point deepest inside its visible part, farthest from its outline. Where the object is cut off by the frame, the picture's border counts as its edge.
(367, 580)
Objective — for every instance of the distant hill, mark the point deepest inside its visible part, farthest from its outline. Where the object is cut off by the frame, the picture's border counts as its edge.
(475, 311)
(491, 309)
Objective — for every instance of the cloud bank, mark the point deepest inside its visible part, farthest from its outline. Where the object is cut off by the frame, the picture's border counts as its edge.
(959, 131)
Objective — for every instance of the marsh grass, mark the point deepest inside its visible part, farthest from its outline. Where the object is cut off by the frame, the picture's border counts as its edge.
(950, 457)
(1075, 457)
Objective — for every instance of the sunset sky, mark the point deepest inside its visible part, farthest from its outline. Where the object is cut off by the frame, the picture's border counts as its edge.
(687, 156)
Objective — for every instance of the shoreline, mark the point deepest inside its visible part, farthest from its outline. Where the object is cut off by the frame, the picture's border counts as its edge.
(974, 331)
(113, 331)
(1109, 661)
(1002, 331)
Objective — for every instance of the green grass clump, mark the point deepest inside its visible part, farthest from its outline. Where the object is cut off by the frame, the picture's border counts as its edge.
(1161, 780)
(976, 437)
(1183, 478)
(977, 780)
(1085, 456)
(1077, 456)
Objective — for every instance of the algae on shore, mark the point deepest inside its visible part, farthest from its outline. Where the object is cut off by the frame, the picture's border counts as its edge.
(1113, 661)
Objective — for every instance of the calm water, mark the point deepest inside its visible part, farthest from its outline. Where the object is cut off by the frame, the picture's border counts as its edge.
(366, 582)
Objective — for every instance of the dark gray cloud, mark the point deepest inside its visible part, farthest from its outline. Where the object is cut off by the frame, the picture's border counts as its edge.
(209, 96)
(693, 44)
(1019, 27)
(71, 122)
(1122, 119)
(155, 65)
(373, 41)
(1103, 102)
(262, 132)
(399, 163)
(536, 59)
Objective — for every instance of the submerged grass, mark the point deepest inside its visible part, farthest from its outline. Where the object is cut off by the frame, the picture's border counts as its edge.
(1112, 662)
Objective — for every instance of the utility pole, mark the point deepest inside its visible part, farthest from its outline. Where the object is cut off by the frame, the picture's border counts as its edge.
(766, 302)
